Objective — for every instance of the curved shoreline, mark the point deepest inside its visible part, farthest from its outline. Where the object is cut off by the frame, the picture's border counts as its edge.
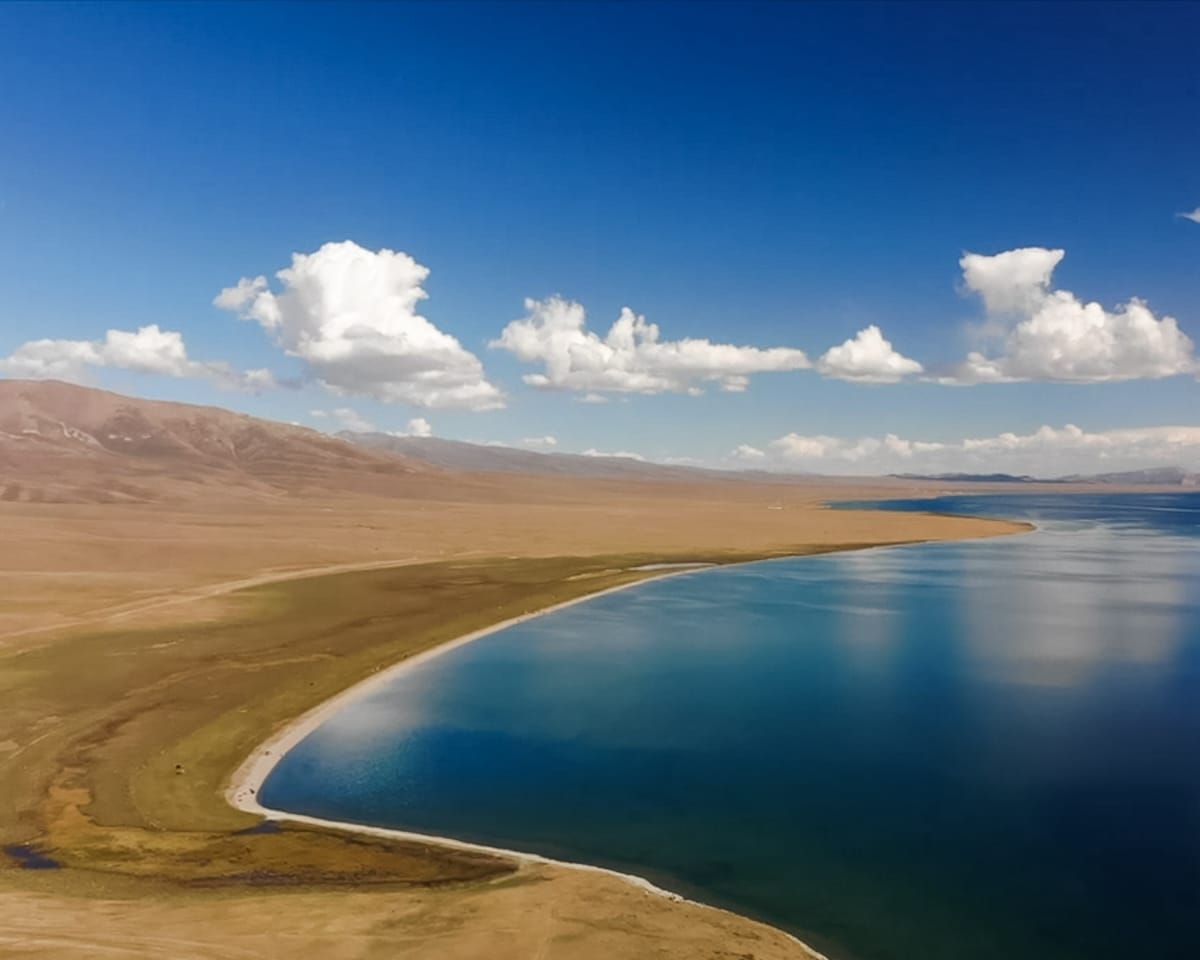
(248, 778)
(242, 792)
(523, 858)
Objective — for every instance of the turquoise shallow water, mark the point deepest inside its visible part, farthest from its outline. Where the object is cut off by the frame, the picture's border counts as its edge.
(974, 750)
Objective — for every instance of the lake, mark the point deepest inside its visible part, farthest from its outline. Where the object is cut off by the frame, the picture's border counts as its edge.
(962, 751)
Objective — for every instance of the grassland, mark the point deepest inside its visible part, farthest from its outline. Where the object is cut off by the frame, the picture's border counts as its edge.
(123, 714)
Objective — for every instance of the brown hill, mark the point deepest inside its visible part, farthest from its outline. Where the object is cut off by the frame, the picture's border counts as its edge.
(65, 443)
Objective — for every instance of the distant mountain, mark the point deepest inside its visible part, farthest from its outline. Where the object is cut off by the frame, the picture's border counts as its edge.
(1154, 476)
(1164, 476)
(62, 442)
(968, 477)
(486, 458)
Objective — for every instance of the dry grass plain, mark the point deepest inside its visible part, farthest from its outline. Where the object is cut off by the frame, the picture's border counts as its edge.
(147, 648)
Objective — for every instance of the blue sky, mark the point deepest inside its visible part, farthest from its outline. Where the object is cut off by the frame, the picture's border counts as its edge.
(762, 178)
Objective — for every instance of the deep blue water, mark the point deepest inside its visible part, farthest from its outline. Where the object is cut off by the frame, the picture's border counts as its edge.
(963, 751)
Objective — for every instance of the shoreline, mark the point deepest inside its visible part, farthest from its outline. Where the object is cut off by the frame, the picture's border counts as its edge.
(249, 776)
(244, 785)
(242, 791)
(246, 781)
(523, 859)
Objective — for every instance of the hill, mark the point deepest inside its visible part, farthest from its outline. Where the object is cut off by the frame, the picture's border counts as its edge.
(66, 443)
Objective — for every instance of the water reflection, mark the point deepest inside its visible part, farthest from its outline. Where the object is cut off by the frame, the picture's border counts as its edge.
(1073, 600)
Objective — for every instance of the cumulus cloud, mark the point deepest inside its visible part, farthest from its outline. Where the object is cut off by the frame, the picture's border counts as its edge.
(1047, 452)
(593, 452)
(148, 349)
(419, 427)
(53, 359)
(347, 418)
(592, 398)
(350, 315)
(257, 379)
(1053, 335)
(241, 295)
(631, 357)
(1015, 281)
(867, 358)
(745, 453)
(540, 443)
(1194, 216)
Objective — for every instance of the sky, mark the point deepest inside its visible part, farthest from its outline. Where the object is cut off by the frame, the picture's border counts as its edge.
(832, 238)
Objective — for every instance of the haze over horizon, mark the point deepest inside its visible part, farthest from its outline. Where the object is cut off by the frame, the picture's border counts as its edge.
(807, 240)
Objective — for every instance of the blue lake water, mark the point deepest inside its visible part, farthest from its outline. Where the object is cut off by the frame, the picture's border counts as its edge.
(965, 751)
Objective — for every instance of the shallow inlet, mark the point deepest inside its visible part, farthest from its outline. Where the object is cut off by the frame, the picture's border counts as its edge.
(977, 750)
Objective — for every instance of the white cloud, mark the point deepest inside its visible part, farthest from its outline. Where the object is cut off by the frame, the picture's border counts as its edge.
(149, 349)
(745, 453)
(350, 315)
(347, 418)
(540, 443)
(52, 359)
(419, 427)
(1047, 452)
(797, 448)
(592, 398)
(1194, 216)
(867, 358)
(1053, 335)
(1015, 281)
(593, 452)
(630, 358)
(256, 380)
(242, 295)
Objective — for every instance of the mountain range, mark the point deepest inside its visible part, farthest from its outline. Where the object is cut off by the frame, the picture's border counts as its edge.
(1153, 476)
(61, 442)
